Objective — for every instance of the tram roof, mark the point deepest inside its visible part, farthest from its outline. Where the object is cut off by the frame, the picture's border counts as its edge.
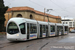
(30, 20)
(41, 22)
(51, 23)
(59, 24)
(19, 20)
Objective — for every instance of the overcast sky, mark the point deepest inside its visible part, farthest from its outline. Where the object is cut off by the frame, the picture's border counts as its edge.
(63, 8)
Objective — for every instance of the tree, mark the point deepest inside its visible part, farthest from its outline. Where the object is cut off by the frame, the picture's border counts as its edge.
(3, 9)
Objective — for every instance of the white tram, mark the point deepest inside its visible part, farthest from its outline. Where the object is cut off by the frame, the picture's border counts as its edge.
(21, 29)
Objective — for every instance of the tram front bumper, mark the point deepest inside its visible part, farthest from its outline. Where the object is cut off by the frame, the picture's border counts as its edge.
(13, 37)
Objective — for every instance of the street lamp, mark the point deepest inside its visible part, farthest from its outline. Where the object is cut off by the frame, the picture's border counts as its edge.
(47, 15)
(49, 12)
(49, 9)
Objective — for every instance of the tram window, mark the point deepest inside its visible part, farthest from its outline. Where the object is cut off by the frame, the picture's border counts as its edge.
(52, 28)
(59, 28)
(43, 28)
(46, 28)
(33, 28)
(12, 28)
(22, 28)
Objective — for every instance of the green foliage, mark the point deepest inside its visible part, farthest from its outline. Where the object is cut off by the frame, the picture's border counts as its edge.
(3, 9)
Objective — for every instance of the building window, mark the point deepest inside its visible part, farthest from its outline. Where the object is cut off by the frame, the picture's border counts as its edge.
(19, 15)
(70, 24)
(73, 24)
(31, 17)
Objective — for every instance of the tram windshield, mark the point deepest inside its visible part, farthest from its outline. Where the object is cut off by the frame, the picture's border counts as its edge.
(12, 28)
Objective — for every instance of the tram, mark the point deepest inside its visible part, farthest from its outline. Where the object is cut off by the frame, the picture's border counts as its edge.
(22, 29)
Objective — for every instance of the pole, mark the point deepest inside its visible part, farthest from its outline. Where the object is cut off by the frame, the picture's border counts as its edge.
(64, 19)
(48, 14)
(48, 18)
(44, 14)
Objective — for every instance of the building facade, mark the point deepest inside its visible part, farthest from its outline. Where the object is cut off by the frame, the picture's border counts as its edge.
(30, 13)
(70, 22)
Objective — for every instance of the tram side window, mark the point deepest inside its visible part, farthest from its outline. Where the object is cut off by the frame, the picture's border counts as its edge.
(46, 28)
(52, 28)
(22, 28)
(59, 28)
(43, 29)
(33, 28)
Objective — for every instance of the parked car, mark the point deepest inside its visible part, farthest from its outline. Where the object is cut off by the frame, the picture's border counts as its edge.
(72, 31)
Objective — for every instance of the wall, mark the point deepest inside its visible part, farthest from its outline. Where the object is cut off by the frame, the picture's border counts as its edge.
(26, 14)
(7, 17)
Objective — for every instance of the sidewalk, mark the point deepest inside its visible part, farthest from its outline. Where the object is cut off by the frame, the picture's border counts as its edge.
(2, 34)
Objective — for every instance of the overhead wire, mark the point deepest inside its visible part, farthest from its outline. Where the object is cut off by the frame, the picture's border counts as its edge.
(49, 5)
(37, 3)
(59, 6)
(53, 3)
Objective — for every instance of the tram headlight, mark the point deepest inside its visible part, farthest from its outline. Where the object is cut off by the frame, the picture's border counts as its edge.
(17, 34)
(7, 34)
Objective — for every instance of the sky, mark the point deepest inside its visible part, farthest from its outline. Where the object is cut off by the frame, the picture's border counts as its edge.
(63, 8)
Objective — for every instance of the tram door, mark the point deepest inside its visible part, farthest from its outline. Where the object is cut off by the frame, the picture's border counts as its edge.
(46, 30)
(27, 30)
(58, 30)
(40, 30)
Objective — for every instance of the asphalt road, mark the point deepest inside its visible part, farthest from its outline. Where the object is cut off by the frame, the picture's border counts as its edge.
(66, 42)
